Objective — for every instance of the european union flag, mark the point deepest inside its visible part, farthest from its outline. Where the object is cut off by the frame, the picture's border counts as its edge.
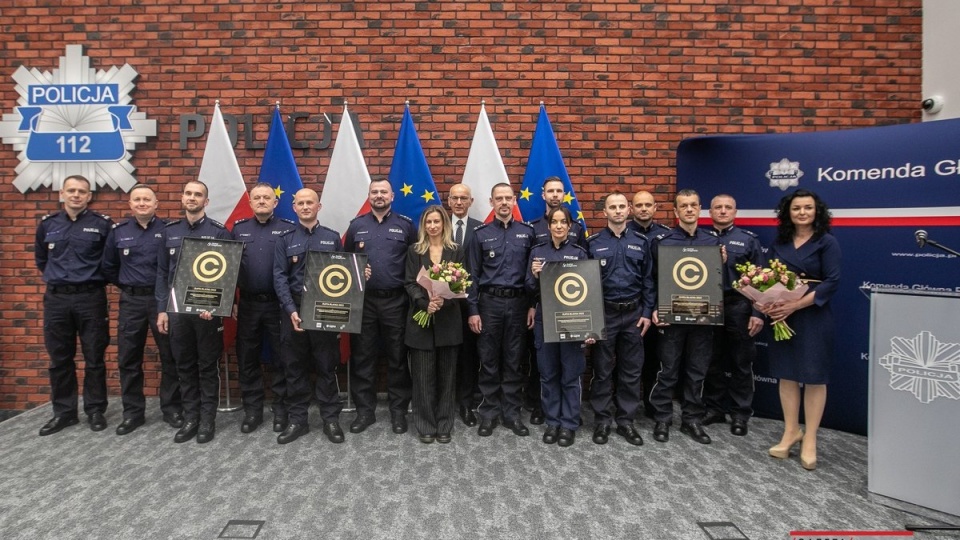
(410, 177)
(545, 161)
(279, 168)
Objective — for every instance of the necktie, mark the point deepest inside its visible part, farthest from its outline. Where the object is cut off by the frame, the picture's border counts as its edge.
(458, 239)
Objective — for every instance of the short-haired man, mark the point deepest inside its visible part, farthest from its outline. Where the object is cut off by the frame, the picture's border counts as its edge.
(626, 269)
(130, 262)
(459, 200)
(498, 303)
(68, 249)
(258, 311)
(734, 347)
(197, 341)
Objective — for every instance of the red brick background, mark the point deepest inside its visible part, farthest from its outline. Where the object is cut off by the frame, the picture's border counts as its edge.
(623, 81)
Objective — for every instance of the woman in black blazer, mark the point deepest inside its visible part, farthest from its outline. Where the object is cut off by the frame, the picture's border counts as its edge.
(433, 350)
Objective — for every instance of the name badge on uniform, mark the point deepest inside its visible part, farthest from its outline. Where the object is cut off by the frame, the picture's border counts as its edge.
(492, 254)
(126, 252)
(51, 245)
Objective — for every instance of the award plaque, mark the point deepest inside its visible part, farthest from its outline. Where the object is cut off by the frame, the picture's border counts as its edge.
(333, 295)
(690, 285)
(206, 276)
(571, 301)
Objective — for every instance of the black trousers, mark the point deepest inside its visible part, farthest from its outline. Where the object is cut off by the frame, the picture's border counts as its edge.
(685, 349)
(434, 374)
(728, 387)
(618, 358)
(651, 366)
(382, 332)
(138, 314)
(501, 345)
(65, 317)
(258, 320)
(468, 391)
(197, 347)
(299, 352)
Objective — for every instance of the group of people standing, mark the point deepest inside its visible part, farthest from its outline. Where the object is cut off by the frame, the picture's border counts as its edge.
(470, 356)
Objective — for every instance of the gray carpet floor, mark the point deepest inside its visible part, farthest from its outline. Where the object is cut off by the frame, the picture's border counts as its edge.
(80, 484)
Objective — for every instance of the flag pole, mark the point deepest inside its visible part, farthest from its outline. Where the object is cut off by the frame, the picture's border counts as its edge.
(349, 406)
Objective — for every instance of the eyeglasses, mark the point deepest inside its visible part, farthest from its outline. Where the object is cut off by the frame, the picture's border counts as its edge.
(458, 198)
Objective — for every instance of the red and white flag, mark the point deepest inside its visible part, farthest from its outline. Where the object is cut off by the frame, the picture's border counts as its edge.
(221, 173)
(484, 169)
(348, 180)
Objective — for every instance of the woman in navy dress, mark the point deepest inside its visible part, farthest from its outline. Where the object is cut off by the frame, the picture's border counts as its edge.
(805, 245)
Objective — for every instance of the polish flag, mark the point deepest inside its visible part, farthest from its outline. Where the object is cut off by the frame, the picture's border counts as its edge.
(221, 173)
(348, 181)
(484, 170)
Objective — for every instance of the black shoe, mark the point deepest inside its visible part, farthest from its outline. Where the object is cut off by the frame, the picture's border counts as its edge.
(279, 423)
(714, 418)
(129, 425)
(486, 427)
(695, 431)
(468, 417)
(97, 421)
(187, 431)
(565, 437)
(536, 416)
(427, 439)
(361, 423)
(629, 433)
(57, 423)
(251, 422)
(517, 427)
(206, 432)
(443, 438)
(293, 432)
(601, 433)
(333, 431)
(175, 420)
(399, 424)
(738, 427)
(661, 432)
(550, 435)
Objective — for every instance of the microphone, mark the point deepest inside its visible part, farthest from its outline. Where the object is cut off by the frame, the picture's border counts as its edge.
(921, 236)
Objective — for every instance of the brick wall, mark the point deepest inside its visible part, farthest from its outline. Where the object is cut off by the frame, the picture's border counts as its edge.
(623, 81)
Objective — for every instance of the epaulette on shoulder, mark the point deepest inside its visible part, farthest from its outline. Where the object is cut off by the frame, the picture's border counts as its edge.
(712, 232)
(217, 223)
(637, 233)
(101, 216)
(525, 223)
(239, 221)
(751, 233)
(288, 221)
(596, 235)
(405, 217)
(545, 242)
(50, 215)
(172, 223)
(324, 227)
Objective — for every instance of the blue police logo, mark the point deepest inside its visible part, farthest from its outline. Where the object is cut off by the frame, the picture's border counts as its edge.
(74, 116)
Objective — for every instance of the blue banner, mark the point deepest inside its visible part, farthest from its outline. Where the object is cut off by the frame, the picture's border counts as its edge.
(410, 177)
(279, 169)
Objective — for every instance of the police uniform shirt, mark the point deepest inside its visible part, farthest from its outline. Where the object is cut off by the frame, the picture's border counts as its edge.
(259, 246)
(169, 256)
(742, 247)
(547, 252)
(69, 252)
(385, 244)
(626, 267)
(290, 260)
(650, 232)
(541, 231)
(497, 257)
(130, 256)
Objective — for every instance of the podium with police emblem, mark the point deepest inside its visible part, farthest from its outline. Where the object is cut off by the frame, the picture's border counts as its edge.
(333, 295)
(690, 285)
(571, 301)
(206, 277)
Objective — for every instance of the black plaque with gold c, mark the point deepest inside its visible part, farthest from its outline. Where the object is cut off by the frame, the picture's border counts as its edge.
(206, 276)
(571, 301)
(333, 299)
(690, 285)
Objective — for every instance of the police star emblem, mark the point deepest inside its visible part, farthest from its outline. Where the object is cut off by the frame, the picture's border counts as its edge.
(924, 366)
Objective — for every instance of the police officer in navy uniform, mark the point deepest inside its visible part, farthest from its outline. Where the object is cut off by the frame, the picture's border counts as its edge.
(384, 236)
(258, 311)
(301, 347)
(130, 262)
(197, 342)
(734, 347)
(68, 250)
(626, 269)
(686, 347)
(498, 304)
(553, 196)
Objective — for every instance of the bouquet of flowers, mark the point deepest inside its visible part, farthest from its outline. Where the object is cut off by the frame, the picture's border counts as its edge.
(448, 280)
(768, 285)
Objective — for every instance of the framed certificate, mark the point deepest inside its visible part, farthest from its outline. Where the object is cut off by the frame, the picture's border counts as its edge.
(571, 301)
(690, 285)
(333, 295)
(206, 276)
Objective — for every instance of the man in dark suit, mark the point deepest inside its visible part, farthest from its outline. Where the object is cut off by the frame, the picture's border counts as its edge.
(459, 200)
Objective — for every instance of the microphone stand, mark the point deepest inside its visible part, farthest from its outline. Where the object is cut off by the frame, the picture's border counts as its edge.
(941, 247)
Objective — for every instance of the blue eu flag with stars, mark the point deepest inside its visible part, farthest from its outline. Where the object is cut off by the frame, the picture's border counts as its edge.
(413, 187)
(279, 168)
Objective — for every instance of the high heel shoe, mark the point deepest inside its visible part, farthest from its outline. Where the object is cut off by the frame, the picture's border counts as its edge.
(808, 465)
(782, 451)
